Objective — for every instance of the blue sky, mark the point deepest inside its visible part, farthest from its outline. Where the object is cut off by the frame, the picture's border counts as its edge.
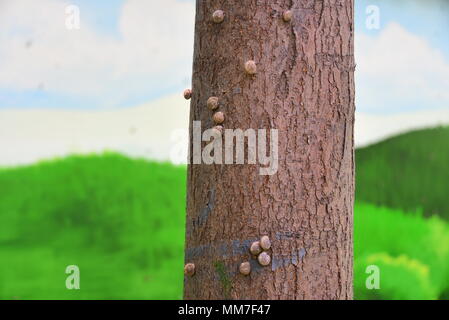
(410, 51)
(426, 18)
(103, 15)
(127, 53)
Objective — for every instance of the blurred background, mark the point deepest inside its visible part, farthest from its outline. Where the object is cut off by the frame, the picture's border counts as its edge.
(93, 142)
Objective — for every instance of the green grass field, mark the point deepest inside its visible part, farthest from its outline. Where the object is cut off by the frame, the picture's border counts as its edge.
(412, 253)
(122, 222)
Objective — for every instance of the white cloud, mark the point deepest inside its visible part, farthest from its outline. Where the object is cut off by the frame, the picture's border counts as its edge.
(153, 131)
(398, 70)
(152, 53)
(150, 131)
(371, 128)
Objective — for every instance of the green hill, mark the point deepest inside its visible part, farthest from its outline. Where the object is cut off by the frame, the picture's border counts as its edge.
(122, 222)
(410, 172)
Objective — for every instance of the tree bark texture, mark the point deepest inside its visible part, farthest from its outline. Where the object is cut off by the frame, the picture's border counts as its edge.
(304, 87)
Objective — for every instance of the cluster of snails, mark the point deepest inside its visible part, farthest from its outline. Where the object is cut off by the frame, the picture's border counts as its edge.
(218, 16)
(258, 248)
(218, 117)
(250, 68)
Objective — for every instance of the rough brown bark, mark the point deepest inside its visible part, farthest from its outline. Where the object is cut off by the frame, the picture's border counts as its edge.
(304, 87)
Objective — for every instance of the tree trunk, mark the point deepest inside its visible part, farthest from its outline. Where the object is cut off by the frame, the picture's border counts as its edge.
(304, 88)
